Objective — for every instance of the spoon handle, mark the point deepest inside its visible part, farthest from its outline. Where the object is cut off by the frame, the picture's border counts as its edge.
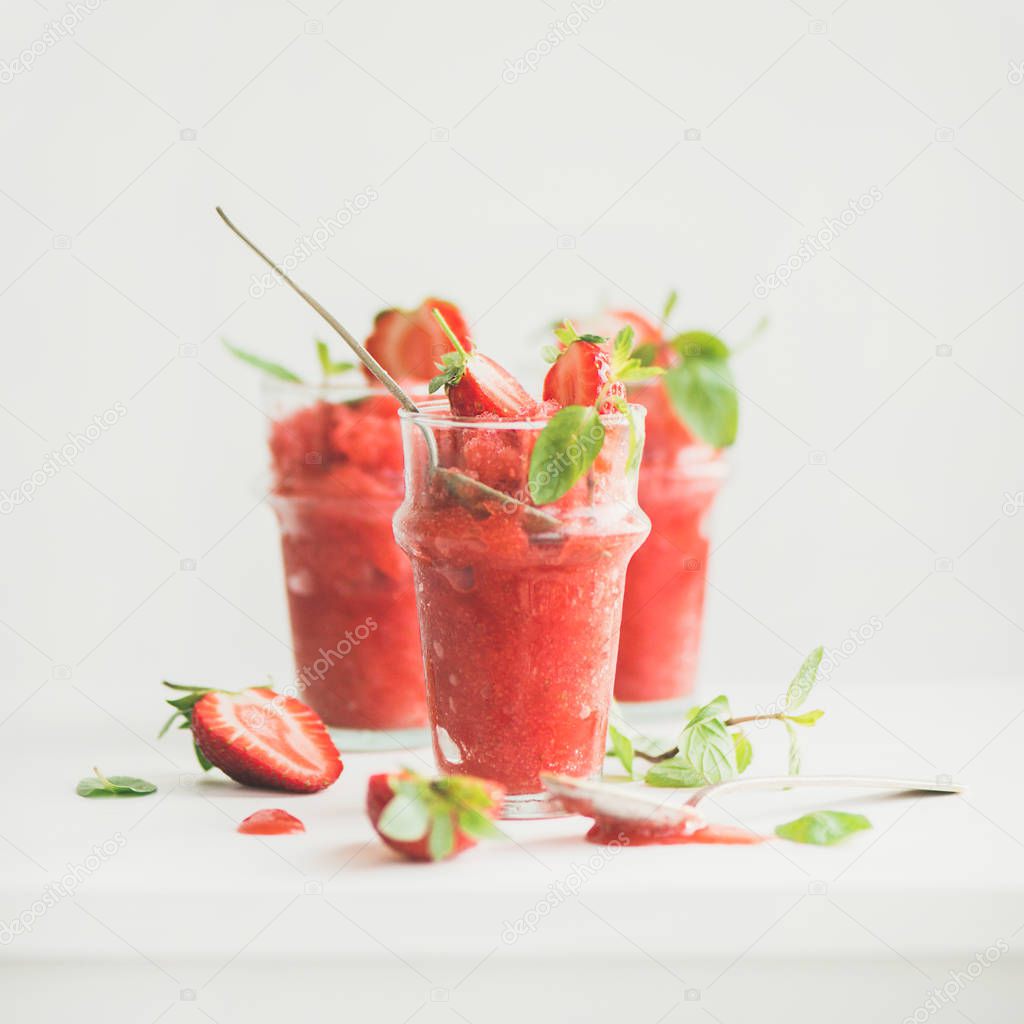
(831, 781)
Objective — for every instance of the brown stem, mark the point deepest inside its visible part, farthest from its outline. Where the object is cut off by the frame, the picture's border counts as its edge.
(669, 754)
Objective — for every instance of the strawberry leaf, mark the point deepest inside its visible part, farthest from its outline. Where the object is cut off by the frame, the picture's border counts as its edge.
(565, 450)
(405, 817)
(475, 823)
(442, 835)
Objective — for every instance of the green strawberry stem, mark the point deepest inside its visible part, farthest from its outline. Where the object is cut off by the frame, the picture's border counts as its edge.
(449, 333)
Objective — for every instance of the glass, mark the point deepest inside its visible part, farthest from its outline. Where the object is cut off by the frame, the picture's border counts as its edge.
(519, 607)
(336, 456)
(663, 609)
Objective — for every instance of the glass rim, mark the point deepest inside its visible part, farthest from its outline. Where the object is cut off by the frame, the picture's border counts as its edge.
(436, 413)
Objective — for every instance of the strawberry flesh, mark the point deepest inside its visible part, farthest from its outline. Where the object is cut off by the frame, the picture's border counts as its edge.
(580, 373)
(409, 343)
(260, 738)
(271, 822)
(487, 389)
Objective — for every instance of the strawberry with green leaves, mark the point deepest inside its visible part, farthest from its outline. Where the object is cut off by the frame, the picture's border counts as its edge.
(588, 379)
(475, 384)
(433, 819)
(257, 737)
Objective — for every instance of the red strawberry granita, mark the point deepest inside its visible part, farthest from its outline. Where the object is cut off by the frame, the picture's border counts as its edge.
(519, 606)
(663, 610)
(337, 481)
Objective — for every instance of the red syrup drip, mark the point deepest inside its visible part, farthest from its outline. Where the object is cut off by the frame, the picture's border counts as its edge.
(608, 831)
(272, 822)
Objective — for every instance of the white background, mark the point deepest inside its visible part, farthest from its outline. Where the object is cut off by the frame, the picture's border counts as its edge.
(117, 282)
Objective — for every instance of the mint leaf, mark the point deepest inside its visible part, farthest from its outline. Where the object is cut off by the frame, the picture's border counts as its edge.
(794, 749)
(674, 774)
(442, 835)
(744, 751)
(405, 816)
(702, 393)
(708, 748)
(565, 450)
(822, 828)
(622, 746)
(115, 785)
(646, 354)
(807, 718)
(670, 304)
(700, 345)
(274, 369)
(717, 708)
(803, 682)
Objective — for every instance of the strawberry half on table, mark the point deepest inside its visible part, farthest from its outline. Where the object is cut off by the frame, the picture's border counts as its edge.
(475, 384)
(409, 343)
(433, 819)
(258, 737)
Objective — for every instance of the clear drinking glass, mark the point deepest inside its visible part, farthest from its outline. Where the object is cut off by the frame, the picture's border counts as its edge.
(336, 454)
(519, 607)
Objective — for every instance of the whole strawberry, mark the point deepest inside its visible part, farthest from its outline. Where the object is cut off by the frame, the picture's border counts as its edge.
(258, 737)
(432, 819)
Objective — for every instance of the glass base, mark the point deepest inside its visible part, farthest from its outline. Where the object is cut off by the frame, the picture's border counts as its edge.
(521, 806)
(356, 740)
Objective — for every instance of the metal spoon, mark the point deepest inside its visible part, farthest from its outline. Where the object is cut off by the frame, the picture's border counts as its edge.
(826, 781)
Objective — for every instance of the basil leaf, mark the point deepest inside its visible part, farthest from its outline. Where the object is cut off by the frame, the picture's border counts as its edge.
(115, 785)
(274, 369)
(404, 818)
(565, 450)
(744, 751)
(702, 393)
(823, 828)
(673, 774)
(807, 718)
(442, 835)
(622, 746)
(803, 682)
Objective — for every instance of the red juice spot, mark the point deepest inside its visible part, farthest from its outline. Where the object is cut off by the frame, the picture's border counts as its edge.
(271, 822)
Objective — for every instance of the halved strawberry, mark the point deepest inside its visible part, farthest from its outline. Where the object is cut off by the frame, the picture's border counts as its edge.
(475, 384)
(410, 343)
(432, 819)
(258, 737)
(582, 372)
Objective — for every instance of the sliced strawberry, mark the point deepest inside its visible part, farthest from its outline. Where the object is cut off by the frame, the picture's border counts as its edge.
(410, 343)
(475, 384)
(581, 372)
(432, 819)
(259, 738)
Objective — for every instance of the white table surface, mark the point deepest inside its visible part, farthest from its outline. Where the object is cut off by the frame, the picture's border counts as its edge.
(187, 910)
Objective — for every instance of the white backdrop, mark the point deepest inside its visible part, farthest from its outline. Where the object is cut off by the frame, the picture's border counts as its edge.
(653, 145)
